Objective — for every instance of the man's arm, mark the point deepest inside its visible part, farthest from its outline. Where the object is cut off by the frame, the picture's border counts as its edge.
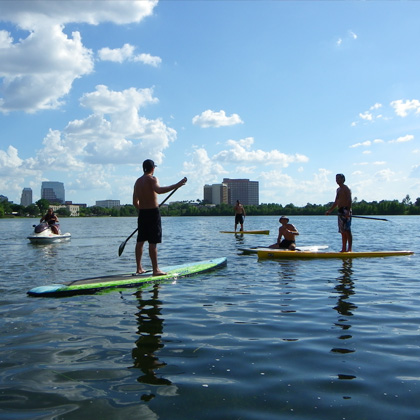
(334, 204)
(162, 190)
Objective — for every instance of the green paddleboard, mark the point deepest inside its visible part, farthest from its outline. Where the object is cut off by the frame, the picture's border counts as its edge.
(95, 284)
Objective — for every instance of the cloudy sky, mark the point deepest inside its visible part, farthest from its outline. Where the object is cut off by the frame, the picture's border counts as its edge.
(284, 93)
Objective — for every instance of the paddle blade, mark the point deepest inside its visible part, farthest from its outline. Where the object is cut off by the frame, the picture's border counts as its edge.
(121, 248)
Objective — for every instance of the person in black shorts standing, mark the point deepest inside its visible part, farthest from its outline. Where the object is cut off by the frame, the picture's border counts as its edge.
(146, 190)
(239, 215)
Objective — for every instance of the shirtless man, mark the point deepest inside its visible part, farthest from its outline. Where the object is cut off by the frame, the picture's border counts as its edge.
(288, 231)
(343, 202)
(239, 215)
(145, 200)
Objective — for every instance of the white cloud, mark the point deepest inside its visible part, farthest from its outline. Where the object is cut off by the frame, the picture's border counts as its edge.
(38, 71)
(402, 108)
(114, 133)
(370, 115)
(148, 59)
(117, 55)
(353, 35)
(241, 152)
(350, 36)
(403, 139)
(287, 187)
(386, 175)
(365, 144)
(29, 14)
(211, 118)
(126, 53)
(366, 116)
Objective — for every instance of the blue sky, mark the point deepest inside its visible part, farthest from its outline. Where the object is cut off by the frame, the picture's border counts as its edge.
(284, 93)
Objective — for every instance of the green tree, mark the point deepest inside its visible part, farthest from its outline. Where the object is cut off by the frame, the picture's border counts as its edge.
(64, 212)
(43, 205)
(32, 210)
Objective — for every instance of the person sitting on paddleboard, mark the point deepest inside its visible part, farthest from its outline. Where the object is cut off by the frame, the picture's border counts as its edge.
(288, 231)
(239, 215)
(51, 219)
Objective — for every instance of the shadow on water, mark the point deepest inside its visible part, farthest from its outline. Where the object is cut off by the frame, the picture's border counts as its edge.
(149, 343)
(345, 290)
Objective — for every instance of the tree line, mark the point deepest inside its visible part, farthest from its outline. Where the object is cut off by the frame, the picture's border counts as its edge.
(200, 208)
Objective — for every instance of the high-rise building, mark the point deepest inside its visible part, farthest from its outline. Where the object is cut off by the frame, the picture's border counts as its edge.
(26, 197)
(244, 190)
(216, 193)
(53, 191)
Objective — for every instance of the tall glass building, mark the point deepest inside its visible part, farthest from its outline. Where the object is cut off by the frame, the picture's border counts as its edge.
(244, 190)
(216, 193)
(53, 191)
(26, 197)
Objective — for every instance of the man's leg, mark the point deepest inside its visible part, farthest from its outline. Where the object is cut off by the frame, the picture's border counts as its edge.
(154, 258)
(139, 253)
(349, 239)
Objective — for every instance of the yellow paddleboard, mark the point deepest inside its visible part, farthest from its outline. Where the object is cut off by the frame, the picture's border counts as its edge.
(287, 254)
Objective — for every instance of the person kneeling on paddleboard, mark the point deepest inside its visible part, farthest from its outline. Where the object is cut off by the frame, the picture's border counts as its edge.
(288, 231)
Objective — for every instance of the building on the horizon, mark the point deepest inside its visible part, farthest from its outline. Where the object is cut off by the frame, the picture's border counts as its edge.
(72, 208)
(26, 197)
(53, 191)
(109, 204)
(216, 193)
(244, 190)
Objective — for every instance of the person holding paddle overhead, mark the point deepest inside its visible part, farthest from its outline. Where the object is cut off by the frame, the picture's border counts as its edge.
(288, 231)
(343, 202)
(239, 215)
(146, 190)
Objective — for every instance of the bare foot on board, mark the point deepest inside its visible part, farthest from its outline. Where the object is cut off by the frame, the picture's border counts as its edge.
(159, 273)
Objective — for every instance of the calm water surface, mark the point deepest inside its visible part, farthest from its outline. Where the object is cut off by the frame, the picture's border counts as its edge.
(259, 339)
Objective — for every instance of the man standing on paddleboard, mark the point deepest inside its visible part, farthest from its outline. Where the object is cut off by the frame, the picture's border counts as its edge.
(239, 215)
(343, 202)
(146, 190)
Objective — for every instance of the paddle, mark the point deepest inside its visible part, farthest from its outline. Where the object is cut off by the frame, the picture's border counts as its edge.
(373, 218)
(122, 246)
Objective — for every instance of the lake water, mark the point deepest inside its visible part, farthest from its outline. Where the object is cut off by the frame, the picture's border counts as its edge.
(258, 339)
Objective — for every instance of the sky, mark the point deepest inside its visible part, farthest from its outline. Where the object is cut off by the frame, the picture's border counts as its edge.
(286, 93)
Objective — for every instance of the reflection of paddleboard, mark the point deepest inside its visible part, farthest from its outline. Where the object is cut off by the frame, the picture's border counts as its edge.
(94, 284)
(240, 232)
(255, 250)
(286, 254)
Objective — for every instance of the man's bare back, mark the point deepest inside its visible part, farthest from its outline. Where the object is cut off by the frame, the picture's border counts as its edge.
(145, 196)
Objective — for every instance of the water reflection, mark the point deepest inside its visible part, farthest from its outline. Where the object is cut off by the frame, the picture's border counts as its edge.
(345, 289)
(150, 329)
